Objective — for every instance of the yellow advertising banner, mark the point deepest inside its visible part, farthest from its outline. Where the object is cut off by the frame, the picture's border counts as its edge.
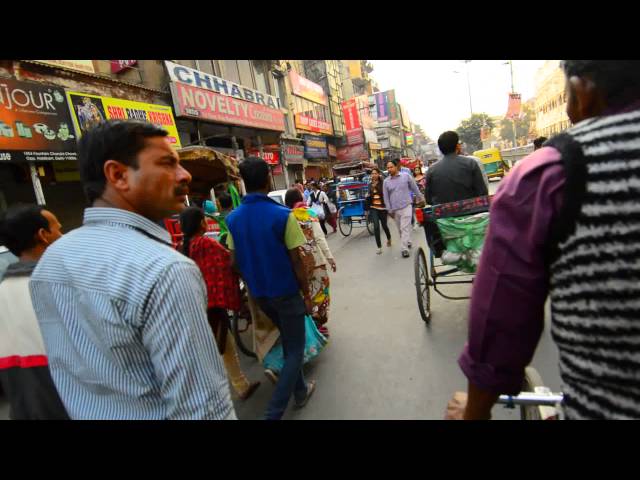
(89, 110)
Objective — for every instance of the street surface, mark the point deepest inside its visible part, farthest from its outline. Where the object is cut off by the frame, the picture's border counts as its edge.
(382, 362)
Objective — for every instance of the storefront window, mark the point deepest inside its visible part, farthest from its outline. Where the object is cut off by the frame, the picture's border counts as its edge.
(206, 66)
(260, 73)
(230, 70)
(244, 66)
(187, 63)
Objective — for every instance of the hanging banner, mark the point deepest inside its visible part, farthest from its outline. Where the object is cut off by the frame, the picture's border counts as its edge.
(305, 88)
(351, 117)
(355, 137)
(304, 122)
(381, 107)
(85, 66)
(118, 66)
(35, 124)
(515, 103)
(408, 138)
(192, 102)
(392, 106)
(91, 110)
(356, 152)
(315, 147)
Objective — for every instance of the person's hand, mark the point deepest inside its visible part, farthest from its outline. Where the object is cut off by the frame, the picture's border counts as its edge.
(456, 406)
(392, 214)
(332, 262)
(308, 305)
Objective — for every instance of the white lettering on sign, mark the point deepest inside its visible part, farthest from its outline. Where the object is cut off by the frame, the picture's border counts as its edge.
(195, 78)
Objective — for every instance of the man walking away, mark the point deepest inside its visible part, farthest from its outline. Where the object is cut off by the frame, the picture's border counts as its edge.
(397, 189)
(27, 230)
(123, 315)
(455, 177)
(264, 237)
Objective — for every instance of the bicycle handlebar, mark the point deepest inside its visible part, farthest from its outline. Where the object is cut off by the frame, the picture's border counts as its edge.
(530, 398)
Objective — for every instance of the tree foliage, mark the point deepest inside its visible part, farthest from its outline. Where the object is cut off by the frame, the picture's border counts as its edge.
(469, 130)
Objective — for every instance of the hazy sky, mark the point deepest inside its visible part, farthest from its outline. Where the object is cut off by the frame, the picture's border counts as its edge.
(437, 99)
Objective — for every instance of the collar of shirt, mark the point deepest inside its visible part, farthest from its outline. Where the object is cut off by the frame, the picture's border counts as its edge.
(118, 216)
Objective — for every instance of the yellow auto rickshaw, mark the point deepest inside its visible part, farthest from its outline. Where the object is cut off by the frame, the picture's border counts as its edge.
(494, 164)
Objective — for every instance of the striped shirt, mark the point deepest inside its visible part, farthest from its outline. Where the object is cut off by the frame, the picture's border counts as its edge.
(123, 319)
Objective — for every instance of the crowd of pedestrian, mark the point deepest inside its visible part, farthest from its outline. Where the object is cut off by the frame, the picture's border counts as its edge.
(110, 321)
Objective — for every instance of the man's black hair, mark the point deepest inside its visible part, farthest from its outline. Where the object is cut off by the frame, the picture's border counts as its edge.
(395, 161)
(537, 143)
(19, 225)
(618, 80)
(292, 197)
(112, 140)
(225, 200)
(448, 141)
(255, 173)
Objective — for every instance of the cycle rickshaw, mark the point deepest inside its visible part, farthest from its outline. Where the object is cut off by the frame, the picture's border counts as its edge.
(536, 401)
(351, 196)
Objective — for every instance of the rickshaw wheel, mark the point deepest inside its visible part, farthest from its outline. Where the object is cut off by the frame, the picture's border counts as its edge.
(238, 333)
(422, 285)
(344, 223)
(370, 224)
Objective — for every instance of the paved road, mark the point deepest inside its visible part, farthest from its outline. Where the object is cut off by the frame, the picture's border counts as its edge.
(382, 362)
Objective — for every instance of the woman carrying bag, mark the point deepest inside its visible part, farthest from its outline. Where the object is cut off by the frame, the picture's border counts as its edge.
(317, 201)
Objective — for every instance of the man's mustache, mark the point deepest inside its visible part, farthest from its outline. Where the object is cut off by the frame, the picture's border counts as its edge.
(181, 190)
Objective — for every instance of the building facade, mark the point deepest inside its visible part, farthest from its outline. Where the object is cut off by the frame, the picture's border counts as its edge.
(551, 100)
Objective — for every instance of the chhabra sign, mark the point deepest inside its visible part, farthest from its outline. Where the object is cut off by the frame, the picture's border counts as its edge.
(35, 124)
(91, 110)
(206, 81)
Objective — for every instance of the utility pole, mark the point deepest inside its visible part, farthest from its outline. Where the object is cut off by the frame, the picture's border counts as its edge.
(513, 120)
(469, 86)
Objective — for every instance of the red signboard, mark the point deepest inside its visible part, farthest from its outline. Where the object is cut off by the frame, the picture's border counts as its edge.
(515, 101)
(348, 154)
(355, 137)
(351, 118)
(311, 124)
(119, 65)
(193, 102)
(271, 157)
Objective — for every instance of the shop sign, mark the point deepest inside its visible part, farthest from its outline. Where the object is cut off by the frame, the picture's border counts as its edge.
(201, 104)
(195, 78)
(349, 154)
(90, 110)
(303, 122)
(375, 146)
(315, 147)
(355, 137)
(381, 106)
(332, 150)
(370, 136)
(118, 66)
(408, 139)
(305, 88)
(351, 117)
(277, 170)
(271, 157)
(392, 106)
(293, 153)
(85, 66)
(35, 124)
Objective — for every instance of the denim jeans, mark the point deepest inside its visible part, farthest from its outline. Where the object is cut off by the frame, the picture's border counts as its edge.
(379, 217)
(287, 313)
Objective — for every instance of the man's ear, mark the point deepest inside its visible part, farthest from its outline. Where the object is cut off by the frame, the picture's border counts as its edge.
(589, 100)
(117, 175)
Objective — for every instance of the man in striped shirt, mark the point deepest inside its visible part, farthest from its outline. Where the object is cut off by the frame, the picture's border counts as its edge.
(123, 314)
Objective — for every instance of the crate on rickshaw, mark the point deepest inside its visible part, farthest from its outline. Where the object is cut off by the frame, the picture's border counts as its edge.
(455, 234)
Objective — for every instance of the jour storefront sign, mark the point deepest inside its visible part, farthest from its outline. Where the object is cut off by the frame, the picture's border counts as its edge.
(201, 104)
(35, 123)
(303, 122)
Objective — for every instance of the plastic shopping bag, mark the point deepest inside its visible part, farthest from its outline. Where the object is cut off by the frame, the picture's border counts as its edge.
(314, 344)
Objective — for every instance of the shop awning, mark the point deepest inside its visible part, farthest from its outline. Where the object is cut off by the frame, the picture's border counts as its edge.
(208, 167)
(354, 165)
